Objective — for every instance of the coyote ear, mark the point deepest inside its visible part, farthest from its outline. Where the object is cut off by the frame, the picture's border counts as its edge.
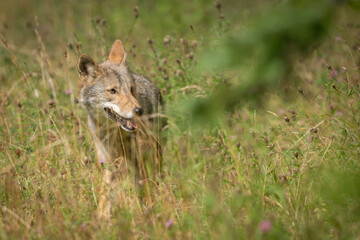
(87, 67)
(117, 54)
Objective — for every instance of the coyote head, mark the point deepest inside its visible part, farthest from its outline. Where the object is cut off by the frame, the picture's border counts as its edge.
(109, 89)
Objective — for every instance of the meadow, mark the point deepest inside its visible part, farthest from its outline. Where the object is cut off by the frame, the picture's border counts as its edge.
(262, 108)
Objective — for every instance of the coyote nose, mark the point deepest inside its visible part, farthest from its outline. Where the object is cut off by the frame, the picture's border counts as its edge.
(138, 111)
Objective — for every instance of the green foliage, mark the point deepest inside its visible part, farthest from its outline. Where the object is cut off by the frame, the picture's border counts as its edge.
(265, 51)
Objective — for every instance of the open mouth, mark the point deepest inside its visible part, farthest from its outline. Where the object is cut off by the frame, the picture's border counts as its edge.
(125, 123)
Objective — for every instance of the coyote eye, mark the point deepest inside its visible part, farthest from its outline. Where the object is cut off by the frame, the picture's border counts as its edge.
(112, 91)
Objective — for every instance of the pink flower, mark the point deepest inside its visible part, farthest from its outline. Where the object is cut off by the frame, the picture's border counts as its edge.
(67, 91)
(265, 226)
(102, 160)
(169, 223)
(333, 73)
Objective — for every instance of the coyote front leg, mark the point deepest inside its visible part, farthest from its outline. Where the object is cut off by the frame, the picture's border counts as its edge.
(104, 206)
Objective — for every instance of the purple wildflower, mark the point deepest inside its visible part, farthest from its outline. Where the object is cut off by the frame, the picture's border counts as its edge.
(67, 92)
(333, 73)
(339, 113)
(281, 111)
(169, 223)
(102, 160)
(265, 226)
(83, 225)
(338, 38)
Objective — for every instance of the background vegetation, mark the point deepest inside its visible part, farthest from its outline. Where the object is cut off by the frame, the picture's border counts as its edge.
(274, 86)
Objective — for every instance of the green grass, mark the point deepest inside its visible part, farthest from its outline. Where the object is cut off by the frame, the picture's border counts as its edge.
(291, 159)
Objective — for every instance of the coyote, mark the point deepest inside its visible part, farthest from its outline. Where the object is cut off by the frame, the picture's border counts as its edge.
(120, 107)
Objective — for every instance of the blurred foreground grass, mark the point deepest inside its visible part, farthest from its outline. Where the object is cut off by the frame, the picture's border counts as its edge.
(284, 167)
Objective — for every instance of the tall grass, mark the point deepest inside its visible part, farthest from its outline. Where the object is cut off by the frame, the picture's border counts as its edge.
(287, 167)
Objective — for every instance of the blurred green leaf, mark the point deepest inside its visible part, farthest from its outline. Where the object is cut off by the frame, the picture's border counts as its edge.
(266, 51)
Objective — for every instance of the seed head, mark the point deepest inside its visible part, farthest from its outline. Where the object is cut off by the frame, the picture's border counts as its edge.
(164, 92)
(19, 105)
(51, 103)
(179, 73)
(190, 56)
(294, 172)
(81, 137)
(97, 19)
(70, 46)
(78, 46)
(167, 40)
(18, 152)
(314, 130)
(164, 61)
(282, 179)
(286, 119)
(52, 137)
(218, 5)
(193, 44)
(136, 12)
(183, 41)
(192, 28)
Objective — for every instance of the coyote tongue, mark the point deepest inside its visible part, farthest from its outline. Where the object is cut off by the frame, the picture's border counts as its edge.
(131, 124)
